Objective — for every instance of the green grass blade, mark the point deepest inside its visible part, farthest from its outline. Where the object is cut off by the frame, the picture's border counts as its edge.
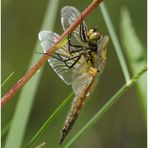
(5, 129)
(7, 79)
(115, 41)
(137, 60)
(50, 119)
(23, 108)
(106, 107)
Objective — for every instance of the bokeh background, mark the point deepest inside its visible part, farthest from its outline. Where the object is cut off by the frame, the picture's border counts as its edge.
(122, 126)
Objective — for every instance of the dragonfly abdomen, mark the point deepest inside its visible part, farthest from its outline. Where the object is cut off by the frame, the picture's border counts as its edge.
(72, 116)
(77, 104)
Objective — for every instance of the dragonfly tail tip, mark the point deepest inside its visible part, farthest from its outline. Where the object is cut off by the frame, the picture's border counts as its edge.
(61, 141)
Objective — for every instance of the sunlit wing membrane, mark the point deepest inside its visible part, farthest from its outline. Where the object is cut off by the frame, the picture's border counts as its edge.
(68, 16)
(47, 39)
(81, 83)
(100, 59)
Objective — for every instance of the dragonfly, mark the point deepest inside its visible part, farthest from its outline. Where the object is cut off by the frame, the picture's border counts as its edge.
(78, 62)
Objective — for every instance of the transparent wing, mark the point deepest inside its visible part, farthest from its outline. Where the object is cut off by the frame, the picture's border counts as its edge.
(47, 39)
(81, 83)
(100, 58)
(68, 16)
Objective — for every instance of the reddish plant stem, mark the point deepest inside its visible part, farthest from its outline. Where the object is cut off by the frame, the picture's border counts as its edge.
(50, 51)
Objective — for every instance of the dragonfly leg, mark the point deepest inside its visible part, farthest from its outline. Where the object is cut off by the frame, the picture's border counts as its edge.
(70, 44)
(83, 29)
(58, 58)
(77, 59)
(68, 59)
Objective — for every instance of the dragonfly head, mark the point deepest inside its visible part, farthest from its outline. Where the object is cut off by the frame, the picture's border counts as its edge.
(92, 36)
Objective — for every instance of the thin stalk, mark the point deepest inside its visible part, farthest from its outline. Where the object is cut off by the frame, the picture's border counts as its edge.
(115, 41)
(49, 120)
(50, 51)
(5, 129)
(107, 106)
(7, 79)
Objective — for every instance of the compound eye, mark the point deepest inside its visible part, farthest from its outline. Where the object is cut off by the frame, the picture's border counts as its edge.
(95, 36)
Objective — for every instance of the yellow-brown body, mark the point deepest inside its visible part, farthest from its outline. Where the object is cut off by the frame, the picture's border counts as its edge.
(77, 104)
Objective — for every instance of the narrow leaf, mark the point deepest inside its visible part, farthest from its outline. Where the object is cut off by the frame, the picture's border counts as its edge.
(135, 53)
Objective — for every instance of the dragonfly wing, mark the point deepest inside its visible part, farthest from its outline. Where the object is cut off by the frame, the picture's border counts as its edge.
(68, 16)
(47, 39)
(100, 59)
(81, 83)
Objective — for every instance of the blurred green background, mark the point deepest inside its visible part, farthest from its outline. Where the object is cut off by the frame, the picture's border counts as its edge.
(123, 126)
